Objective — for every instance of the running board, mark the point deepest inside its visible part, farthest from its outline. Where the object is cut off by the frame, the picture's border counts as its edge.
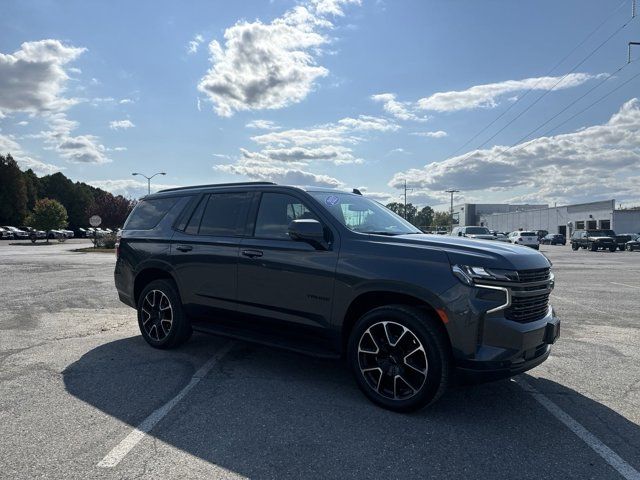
(302, 344)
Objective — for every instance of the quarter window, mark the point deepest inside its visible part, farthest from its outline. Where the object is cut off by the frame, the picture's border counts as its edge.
(276, 212)
(148, 213)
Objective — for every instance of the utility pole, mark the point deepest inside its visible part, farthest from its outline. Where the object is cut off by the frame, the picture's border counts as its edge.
(405, 197)
(451, 192)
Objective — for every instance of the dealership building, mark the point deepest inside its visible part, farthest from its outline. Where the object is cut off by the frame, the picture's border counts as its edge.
(560, 219)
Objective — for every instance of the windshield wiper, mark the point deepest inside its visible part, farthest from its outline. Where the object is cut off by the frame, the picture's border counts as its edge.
(381, 232)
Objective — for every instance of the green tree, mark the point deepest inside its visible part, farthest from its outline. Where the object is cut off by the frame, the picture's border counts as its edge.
(31, 183)
(13, 193)
(76, 198)
(424, 217)
(397, 207)
(48, 215)
(442, 219)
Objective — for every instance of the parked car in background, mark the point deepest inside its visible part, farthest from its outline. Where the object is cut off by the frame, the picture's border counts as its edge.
(502, 237)
(634, 243)
(542, 234)
(478, 233)
(553, 239)
(17, 233)
(5, 234)
(622, 240)
(31, 231)
(594, 240)
(525, 238)
(68, 233)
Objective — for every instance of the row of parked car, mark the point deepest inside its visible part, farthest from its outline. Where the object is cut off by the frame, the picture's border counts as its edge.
(595, 240)
(30, 233)
(588, 239)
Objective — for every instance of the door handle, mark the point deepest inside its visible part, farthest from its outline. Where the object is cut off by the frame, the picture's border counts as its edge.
(184, 248)
(252, 253)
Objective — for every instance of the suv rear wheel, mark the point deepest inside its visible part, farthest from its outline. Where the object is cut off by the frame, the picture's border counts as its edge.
(161, 319)
(399, 358)
(574, 246)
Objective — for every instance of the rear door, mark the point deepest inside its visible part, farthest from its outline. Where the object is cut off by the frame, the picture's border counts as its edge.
(205, 252)
(282, 279)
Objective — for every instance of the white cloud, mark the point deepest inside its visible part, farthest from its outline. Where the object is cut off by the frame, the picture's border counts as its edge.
(269, 65)
(125, 101)
(280, 174)
(435, 134)
(32, 79)
(128, 187)
(194, 44)
(121, 124)
(24, 160)
(486, 96)
(263, 125)
(400, 110)
(23, 123)
(591, 163)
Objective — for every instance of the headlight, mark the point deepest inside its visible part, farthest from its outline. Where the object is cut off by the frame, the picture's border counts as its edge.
(468, 274)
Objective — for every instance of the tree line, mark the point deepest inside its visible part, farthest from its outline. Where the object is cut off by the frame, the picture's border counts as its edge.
(22, 193)
(425, 218)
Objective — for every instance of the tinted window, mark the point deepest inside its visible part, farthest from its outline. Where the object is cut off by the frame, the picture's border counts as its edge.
(225, 214)
(196, 216)
(148, 213)
(276, 212)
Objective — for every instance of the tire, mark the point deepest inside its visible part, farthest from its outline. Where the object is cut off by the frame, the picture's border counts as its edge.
(574, 246)
(613, 249)
(159, 304)
(621, 247)
(395, 381)
(593, 247)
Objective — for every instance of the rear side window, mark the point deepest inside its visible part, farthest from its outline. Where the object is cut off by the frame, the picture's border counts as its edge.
(148, 213)
(225, 214)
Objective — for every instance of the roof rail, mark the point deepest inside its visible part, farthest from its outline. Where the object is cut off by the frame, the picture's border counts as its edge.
(236, 184)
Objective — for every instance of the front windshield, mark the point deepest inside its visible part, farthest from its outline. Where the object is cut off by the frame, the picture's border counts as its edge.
(601, 233)
(528, 234)
(477, 231)
(363, 215)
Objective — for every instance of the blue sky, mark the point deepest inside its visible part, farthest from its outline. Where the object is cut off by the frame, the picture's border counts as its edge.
(342, 93)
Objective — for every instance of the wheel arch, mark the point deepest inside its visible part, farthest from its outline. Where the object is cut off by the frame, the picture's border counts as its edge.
(369, 300)
(147, 275)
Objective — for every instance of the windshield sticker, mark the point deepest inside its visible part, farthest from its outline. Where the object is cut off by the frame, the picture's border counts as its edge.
(331, 200)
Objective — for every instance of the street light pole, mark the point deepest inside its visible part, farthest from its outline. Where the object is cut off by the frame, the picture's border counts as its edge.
(148, 179)
(451, 192)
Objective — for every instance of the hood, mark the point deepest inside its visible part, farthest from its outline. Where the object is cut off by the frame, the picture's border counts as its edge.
(478, 253)
(600, 238)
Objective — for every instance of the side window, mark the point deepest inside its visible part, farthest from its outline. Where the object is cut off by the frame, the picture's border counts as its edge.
(196, 216)
(148, 213)
(276, 212)
(225, 214)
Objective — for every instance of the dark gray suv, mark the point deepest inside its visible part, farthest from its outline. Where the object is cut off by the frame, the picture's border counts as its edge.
(335, 274)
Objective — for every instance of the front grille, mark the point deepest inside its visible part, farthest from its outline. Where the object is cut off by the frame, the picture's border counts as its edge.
(537, 275)
(528, 309)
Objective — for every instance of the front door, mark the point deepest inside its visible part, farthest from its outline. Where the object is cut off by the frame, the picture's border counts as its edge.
(282, 279)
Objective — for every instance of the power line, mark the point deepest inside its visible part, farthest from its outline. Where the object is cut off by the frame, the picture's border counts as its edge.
(560, 62)
(514, 147)
(561, 111)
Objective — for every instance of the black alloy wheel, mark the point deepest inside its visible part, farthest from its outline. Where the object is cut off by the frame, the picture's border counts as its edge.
(400, 357)
(161, 319)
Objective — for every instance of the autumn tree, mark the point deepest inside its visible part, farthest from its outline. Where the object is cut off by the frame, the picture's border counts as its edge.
(48, 215)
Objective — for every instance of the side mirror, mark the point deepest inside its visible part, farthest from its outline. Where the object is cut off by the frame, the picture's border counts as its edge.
(309, 231)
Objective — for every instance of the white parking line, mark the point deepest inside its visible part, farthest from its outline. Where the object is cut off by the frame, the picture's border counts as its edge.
(114, 457)
(625, 285)
(609, 456)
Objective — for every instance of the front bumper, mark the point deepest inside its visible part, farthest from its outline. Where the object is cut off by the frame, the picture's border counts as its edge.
(507, 348)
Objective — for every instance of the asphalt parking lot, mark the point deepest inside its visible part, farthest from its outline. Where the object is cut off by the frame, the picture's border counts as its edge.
(76, 379)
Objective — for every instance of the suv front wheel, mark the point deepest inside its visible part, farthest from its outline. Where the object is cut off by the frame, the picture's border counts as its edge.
(399, 357)
(161, 319)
